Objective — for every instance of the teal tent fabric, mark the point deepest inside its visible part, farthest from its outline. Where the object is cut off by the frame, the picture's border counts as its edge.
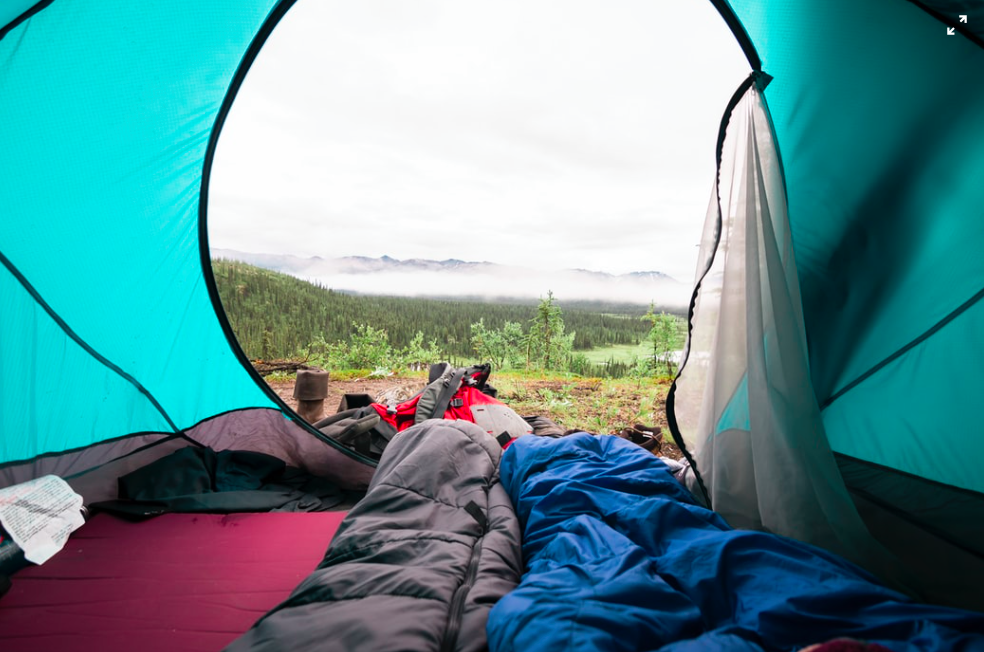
(744, 408)
(879, 118)
(11, 10)
(105, 119)
(108, 113)
(42, 371)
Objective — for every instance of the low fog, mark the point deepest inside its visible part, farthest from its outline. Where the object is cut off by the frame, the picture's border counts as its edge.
(465, 279)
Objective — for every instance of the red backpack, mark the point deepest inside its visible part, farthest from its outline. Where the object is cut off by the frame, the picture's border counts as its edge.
(451, 393)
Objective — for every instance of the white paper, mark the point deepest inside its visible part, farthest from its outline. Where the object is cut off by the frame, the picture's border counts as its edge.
(39, 515)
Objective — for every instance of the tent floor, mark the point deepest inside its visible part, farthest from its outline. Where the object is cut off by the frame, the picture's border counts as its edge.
(185, 582)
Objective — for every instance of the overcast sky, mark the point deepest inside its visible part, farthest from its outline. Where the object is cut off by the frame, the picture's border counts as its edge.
(547, 133)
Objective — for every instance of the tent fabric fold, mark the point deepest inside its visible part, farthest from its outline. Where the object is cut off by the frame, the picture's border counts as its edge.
(879, 130)
(742, 401)
(864, 302)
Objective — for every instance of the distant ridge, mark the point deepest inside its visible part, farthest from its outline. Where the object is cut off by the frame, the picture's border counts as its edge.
(454, 278)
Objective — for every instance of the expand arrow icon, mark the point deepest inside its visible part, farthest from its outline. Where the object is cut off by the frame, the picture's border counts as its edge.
(963, 18)
(950, 31)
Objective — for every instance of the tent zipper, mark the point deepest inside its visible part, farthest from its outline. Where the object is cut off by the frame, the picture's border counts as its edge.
(457, 608)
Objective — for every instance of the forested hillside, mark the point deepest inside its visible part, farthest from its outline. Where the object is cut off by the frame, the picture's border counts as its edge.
(274, 315)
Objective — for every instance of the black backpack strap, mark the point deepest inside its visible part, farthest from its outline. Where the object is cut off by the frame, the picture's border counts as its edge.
(444, 398)
(338, 416)
(363, 445)
(434, 400)
(359, 428)
(437, 370)
(477, 375)
(351, 426)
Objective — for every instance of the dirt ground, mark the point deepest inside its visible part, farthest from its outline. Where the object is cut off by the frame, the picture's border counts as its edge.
(383, 390)
(616, 408)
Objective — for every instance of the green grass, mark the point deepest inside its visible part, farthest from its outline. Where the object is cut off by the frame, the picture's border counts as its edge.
(594, 404)
(629, 352)
(618, 352)
(601, 405)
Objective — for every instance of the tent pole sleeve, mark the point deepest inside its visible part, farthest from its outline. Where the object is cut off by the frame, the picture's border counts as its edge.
(728, 14)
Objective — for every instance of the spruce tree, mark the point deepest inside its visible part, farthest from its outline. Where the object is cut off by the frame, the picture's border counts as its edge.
(547, 346)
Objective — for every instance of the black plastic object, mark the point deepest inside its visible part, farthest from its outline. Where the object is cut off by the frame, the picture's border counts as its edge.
(350, 401)
(11, 555)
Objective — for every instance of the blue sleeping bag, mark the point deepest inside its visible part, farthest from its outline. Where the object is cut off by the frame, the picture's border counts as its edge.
(618, 556)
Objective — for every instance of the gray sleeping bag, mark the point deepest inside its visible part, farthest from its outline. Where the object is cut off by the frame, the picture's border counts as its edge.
(418, 563)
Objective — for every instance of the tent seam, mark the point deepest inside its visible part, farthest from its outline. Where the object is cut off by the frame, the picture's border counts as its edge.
(39, 300)
(970, 493)
(943, 19)
(959, 310)
(9, 27)
(738, 30)
(164, 436)
(259, 39)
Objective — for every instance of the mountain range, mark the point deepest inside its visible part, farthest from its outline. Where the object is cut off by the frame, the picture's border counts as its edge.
(461, 279)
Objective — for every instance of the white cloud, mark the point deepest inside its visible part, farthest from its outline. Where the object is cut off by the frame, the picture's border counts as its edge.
(551, 134)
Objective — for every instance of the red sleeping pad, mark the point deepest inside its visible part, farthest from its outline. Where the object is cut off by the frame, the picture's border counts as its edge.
(188, 582)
